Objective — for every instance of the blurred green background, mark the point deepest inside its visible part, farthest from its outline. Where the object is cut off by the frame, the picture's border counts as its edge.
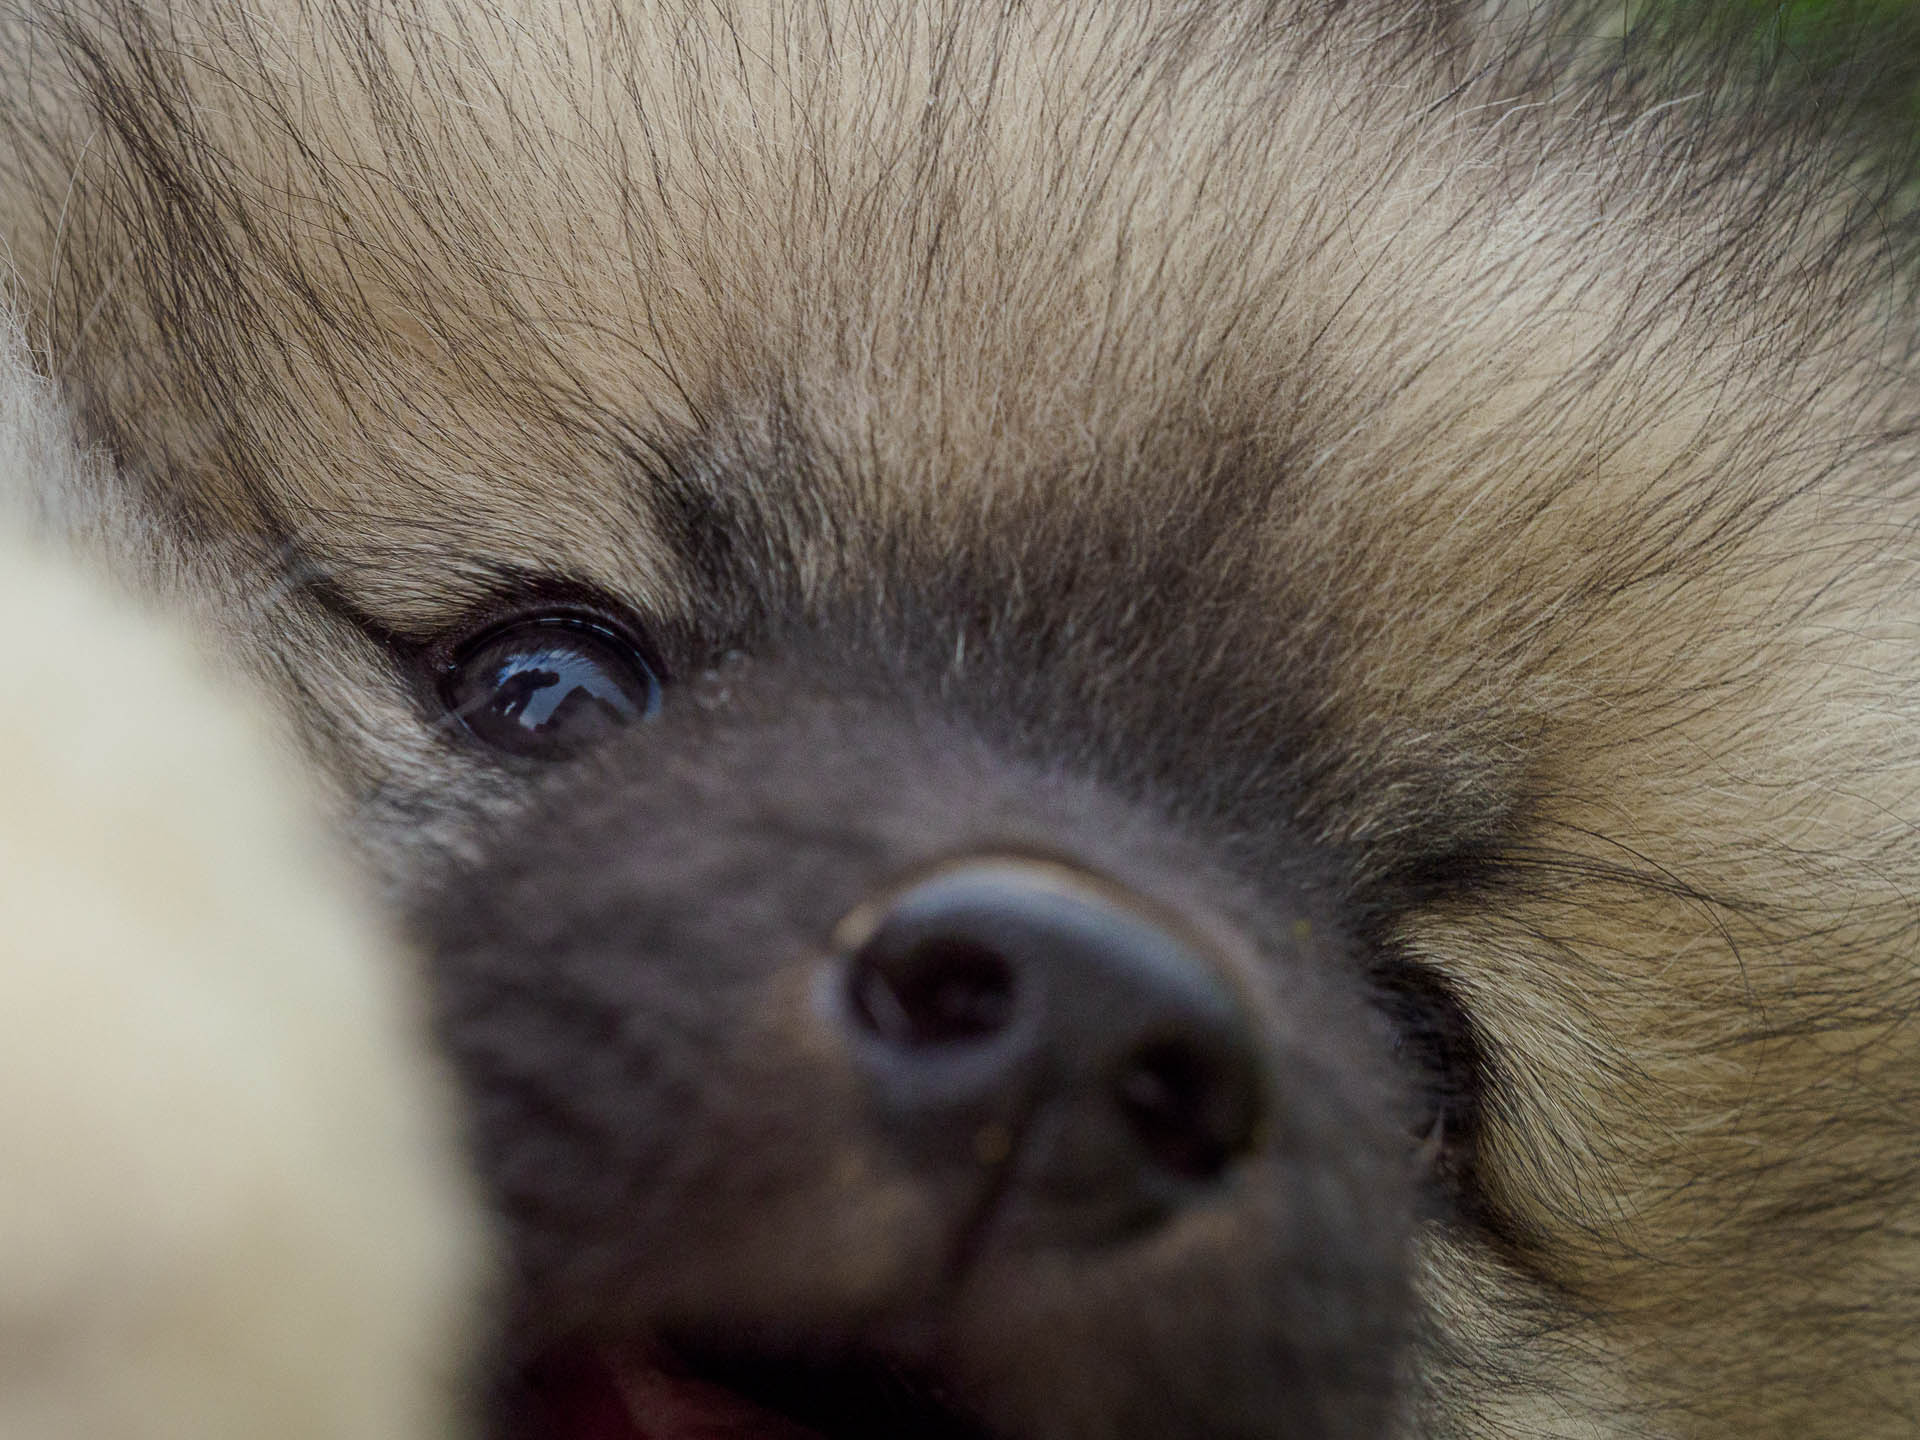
(1859, 56)
(1845, 69)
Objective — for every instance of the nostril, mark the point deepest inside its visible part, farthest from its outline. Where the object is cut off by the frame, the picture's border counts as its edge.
(917, 991)
(1191, 1111)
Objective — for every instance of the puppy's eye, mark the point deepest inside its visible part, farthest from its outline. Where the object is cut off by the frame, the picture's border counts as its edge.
(549, 686)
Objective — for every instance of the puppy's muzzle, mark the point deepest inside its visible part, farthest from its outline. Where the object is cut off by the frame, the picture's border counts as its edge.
(837, 1074)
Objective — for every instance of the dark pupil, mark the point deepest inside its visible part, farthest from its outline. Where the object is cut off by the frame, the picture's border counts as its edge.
(550, 688)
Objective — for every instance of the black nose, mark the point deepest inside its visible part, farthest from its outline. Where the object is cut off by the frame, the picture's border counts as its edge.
(1023, 1017)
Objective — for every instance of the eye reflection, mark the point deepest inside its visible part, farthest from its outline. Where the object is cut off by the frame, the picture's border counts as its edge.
(549, 687)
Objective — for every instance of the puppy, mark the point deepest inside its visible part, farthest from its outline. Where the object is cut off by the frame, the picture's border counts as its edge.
(1173, 721)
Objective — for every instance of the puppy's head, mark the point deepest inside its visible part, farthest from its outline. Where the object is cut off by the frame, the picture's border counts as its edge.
(1154, 721)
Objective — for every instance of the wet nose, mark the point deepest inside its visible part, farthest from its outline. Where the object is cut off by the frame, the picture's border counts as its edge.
(1041, 1024)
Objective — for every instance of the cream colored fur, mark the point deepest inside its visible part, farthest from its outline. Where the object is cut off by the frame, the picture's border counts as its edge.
(226, 1207)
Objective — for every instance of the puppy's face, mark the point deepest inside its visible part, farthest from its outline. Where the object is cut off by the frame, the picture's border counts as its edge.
(1096, 732)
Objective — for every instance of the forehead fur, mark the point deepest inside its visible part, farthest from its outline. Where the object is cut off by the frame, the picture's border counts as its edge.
(468, 263)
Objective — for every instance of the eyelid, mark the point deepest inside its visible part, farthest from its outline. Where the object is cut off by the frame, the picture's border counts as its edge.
(517, 598)
(588, 621)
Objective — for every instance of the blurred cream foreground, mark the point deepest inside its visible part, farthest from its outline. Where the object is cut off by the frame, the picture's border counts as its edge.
(229, 1206)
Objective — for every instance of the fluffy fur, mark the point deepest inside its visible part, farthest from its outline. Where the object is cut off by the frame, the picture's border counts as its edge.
(1473, 494)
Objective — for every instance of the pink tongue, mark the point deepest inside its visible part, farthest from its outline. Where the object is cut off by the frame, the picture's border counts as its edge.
(588, 1396)
(667, 1407)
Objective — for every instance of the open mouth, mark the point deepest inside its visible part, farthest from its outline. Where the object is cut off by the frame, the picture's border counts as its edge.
(585, 1392)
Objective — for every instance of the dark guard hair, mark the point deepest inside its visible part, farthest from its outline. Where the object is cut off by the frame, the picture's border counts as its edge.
(1341, 466)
